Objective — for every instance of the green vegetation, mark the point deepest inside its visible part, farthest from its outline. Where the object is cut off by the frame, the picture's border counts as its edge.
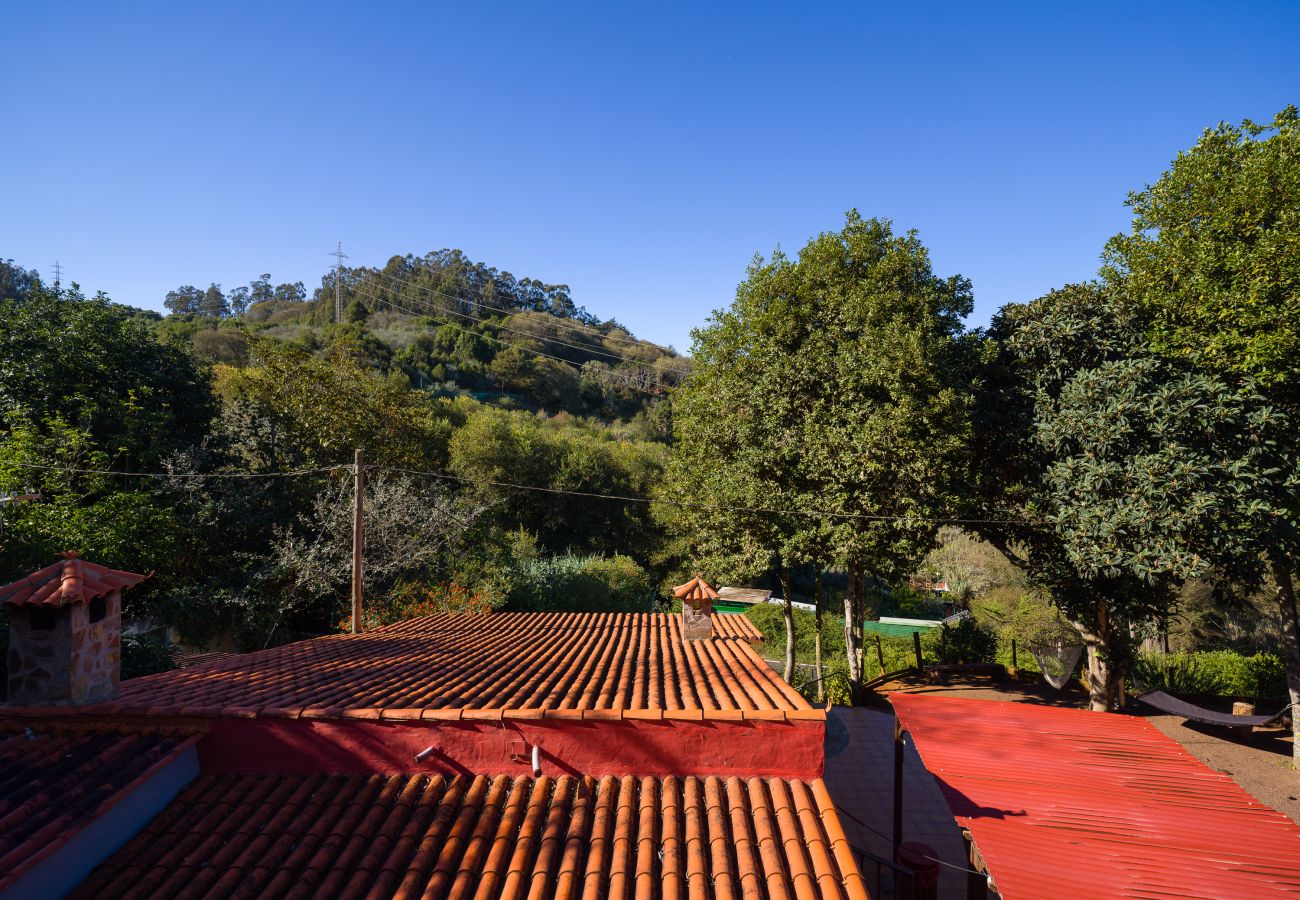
(1112, 463)
(1220, 673)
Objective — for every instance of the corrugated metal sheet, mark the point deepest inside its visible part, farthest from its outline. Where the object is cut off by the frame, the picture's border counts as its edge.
(1068, 803)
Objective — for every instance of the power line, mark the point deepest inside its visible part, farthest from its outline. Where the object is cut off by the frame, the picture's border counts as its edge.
(170, 475)
(527, 334)
(712, 507)
(627, 340)
(445, 476)
(614, 373)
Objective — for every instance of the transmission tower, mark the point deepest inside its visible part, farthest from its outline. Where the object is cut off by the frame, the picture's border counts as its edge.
(339, 256)
(58, 275)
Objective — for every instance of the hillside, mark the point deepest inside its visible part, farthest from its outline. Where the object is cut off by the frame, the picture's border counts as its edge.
(450, 326)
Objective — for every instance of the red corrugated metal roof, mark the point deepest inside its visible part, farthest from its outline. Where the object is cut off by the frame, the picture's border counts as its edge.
(70, 580)
(1063, 802)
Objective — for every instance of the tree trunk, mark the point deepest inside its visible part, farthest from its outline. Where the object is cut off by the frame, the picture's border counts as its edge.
(851, 601)
(787, 609)
(1105, 661)
(817, 637)
(1285, 586)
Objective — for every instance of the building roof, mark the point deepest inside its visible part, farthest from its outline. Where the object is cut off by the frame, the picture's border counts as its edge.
(504, 665)
(695, 590)
(744, 595)
(70, 580)
(55, 780)
(1063, 802)
(486, 836)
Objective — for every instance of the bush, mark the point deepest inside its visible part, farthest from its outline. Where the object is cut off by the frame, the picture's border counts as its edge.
(1221, 673)
(965, 642)
(769, 618)
(579, 584)
(411, 599)
(144, 657)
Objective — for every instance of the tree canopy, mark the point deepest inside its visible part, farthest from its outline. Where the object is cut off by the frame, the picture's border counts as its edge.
(1213, 257)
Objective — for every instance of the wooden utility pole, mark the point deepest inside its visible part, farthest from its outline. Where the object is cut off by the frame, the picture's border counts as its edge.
(358, 536)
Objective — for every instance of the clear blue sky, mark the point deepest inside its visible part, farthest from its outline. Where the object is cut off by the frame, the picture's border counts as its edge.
(641, 154)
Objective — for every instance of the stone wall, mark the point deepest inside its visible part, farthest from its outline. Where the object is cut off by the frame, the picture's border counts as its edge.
(96, 652)
(40, 661)
(78, 661)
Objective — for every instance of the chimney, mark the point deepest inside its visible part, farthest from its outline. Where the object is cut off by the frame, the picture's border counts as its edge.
(65, 632)
(697, 608)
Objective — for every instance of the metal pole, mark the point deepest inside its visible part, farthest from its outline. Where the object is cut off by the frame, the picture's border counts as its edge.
(358, 536)
(898, 785)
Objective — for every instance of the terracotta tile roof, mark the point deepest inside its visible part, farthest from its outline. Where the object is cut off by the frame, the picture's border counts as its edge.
(525, 665)
(185, 660)
(735, 625)
(485, 836)
(70, 580)
(55, 780)
(695, 589)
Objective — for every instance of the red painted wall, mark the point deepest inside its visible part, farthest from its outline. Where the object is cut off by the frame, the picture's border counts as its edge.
(761, 748)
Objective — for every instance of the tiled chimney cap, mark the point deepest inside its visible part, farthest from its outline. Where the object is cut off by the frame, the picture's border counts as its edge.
(70, 580)
(695, 589)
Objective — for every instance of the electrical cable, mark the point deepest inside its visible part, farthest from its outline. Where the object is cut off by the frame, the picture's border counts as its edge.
(614, 373)
(528, 334)
(444, 476)
(418, 259)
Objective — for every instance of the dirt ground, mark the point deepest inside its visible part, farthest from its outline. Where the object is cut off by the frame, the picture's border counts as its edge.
(1261, 764)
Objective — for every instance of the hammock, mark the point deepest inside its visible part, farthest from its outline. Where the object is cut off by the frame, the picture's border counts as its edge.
(1175, 707)
(1057, 662)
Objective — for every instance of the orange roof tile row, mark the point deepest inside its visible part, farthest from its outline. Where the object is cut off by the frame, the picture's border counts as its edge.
(725, 624)
(56, 780)
(70, 580)
(587, 665)
(482, 836)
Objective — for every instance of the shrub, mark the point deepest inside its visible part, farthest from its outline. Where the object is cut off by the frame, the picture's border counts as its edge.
(579, 584)
(1221, 673)
(769, 618)
(965, 642)
(144, 657)
(411, 599)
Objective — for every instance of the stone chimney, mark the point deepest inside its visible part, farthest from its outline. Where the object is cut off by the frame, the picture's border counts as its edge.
(65, 633)
(697, 608)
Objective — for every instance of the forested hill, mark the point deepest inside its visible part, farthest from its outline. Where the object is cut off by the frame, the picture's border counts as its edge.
(448, 324)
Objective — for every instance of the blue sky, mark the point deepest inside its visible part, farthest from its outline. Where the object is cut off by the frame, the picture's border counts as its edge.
(639, 153)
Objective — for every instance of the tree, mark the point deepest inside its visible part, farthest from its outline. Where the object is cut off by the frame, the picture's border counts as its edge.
(238, 299)
(214, 303)
(91, 364)
(838, 382)
(185, 300)
(1124, 474)
(15, 281)
(307, 411)
(1213, 257)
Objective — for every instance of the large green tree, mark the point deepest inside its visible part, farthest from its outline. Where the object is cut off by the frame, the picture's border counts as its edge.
(1122, 473)
(1213, 256)
(837, 384)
